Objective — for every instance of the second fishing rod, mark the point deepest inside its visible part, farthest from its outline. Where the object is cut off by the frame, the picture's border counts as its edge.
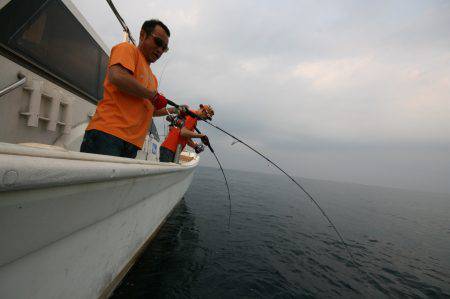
(208, 144)
(205, 141)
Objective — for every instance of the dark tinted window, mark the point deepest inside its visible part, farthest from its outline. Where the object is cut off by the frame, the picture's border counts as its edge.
(47, 34)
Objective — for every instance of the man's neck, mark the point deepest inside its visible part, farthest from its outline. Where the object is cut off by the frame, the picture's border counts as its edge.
(142, 53)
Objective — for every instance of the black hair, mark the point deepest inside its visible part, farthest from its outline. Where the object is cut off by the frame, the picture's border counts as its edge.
(150, 25)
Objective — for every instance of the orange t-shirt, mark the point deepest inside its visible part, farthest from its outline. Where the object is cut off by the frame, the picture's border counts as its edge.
(174, 138)
(118, 113)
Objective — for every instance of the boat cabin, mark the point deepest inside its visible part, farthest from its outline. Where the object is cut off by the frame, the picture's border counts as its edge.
(53, 67)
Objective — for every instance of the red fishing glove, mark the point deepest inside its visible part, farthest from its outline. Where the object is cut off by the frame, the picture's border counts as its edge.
(159, 101)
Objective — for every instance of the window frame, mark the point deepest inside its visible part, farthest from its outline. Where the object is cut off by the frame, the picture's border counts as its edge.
(39, 68)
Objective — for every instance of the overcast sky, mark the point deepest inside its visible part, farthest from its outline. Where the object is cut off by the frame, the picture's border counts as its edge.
(353, 91)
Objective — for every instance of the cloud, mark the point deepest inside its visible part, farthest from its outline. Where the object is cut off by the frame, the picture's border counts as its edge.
(311, 80)
(335, 73)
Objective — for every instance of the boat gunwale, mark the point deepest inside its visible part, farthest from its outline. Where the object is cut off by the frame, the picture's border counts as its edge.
(73, 167)
(61, 153)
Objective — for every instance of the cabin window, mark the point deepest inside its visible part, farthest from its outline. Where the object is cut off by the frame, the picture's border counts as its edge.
(46, 34)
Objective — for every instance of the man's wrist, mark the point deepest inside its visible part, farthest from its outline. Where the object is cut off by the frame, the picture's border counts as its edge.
(151, 95)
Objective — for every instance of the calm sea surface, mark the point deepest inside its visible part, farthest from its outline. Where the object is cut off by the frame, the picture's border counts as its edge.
(279, 245)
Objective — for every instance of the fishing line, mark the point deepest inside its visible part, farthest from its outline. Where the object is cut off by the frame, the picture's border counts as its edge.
(127, 30)
(228, 189)
(162, 73)
(324, 214)
(296, 183)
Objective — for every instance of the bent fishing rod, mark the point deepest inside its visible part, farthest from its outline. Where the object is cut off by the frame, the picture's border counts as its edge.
(127, 31)
(316, 203)
(206, 141)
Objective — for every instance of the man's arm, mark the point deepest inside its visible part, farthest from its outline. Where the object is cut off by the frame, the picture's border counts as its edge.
(191, 143)
(189, 134)
(163, 111)
(125, 82)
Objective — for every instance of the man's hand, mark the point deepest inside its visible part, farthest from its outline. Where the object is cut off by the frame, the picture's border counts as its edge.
(181, 110)
(159, 101)
(205, 140)
(170, 118)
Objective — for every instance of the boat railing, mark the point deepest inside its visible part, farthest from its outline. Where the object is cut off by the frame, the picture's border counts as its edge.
(8, 89)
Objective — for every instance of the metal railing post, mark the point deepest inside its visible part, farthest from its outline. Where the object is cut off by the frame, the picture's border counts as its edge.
(22, 81)
(176, 159)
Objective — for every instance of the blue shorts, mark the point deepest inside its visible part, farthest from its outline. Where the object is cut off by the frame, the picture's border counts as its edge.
(165, 154)
(98, 142)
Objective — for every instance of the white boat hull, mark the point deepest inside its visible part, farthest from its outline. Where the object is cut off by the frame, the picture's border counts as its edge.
(72, 223)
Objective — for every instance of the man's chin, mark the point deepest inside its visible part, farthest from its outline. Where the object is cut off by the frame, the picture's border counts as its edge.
(153, 58)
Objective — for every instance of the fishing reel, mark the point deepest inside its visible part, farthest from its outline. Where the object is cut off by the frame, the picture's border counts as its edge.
(175, 120)
(199, 148)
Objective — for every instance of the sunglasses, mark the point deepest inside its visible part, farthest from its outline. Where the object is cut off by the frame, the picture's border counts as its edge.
(160, 43)
(208, 114)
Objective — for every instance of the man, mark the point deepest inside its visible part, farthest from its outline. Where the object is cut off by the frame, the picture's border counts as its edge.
(184, 135)
(130, 97)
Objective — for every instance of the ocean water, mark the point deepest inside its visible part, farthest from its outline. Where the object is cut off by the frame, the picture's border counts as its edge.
(279, 245)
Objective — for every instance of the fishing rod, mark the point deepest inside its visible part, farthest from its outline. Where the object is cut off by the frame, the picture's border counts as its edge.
(127, 31)
(121, 21)
(175, 121)
(316, 203)
(205, 141)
